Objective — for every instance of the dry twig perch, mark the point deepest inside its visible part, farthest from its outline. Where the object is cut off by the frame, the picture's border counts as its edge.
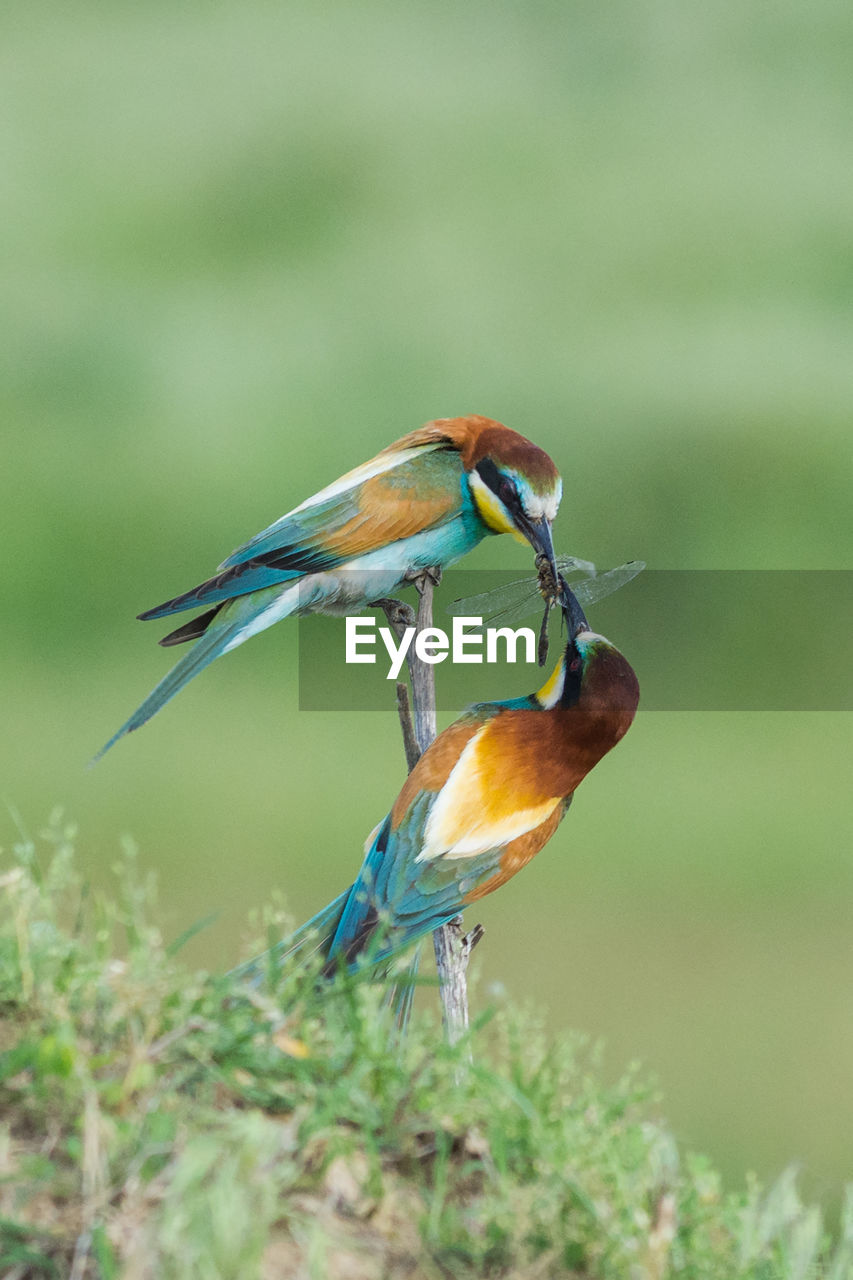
(452, 948)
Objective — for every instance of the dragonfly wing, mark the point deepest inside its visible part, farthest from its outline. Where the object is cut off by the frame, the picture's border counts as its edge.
(589, 590)
(514, 601)
(505, 604)
(568, 564)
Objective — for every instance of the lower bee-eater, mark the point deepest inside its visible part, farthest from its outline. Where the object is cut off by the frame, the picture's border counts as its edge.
(482, 800)
(421, 503)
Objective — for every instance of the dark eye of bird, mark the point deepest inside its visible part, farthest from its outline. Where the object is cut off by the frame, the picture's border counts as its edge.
(506, 492)
(499, 484)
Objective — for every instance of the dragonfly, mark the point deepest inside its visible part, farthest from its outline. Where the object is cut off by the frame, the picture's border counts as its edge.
(515, 601)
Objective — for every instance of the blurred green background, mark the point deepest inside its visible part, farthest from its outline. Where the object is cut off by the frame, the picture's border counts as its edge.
(247, 246)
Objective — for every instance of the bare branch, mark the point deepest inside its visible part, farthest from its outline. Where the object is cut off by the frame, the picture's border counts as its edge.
(404, 711)
(423, 673)
(452, 949)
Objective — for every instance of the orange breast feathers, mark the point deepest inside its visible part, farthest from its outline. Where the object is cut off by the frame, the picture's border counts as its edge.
(501, 781)
(496, 782)
(518, 853)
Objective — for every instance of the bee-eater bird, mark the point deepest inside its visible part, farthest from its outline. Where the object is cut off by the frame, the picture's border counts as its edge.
(421, 503)
(482, 800)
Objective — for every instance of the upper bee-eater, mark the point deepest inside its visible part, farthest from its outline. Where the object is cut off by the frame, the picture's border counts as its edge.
(419, 504)
(482, 800)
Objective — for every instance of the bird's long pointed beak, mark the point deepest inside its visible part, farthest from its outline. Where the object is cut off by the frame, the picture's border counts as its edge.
(572, 611)
(538, 534)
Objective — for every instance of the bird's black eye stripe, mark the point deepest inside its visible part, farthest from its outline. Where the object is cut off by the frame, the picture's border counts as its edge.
(572, 679)
(500, 484)
(489, 474)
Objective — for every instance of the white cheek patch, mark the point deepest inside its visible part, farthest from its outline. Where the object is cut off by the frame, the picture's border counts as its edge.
(540, 506)
(584, 639)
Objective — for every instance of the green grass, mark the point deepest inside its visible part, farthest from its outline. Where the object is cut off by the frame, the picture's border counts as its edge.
(168, 1123)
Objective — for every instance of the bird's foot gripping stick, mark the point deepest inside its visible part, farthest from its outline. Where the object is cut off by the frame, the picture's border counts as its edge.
(452, 953)
(421, 576)
(452, 949)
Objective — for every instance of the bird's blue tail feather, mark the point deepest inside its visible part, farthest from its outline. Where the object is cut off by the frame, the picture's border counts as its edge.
(231, 628)
(315, 936)
(208, 647)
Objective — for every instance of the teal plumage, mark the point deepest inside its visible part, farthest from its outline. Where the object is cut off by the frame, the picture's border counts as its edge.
(423, 502)
(483, 799)
(303, 542)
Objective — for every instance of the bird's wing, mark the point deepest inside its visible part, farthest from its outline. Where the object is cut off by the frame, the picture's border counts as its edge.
(393, 496)
(446, 838)
(395, 899)
(305, 943)
(392, 847)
